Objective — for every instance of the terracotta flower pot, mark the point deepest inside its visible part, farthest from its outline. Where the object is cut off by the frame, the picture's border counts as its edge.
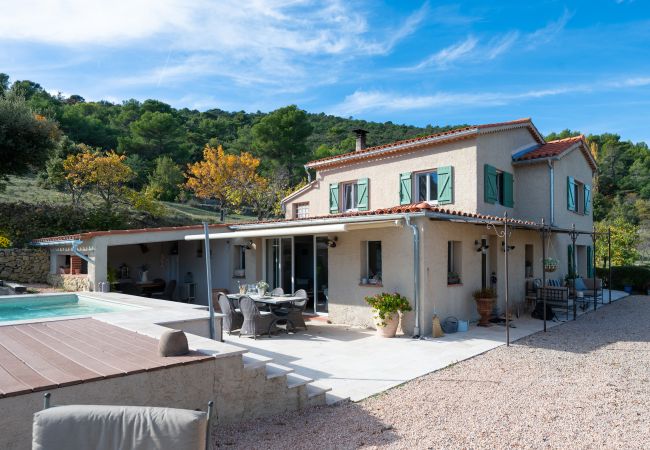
(484, 307)
(388, 331)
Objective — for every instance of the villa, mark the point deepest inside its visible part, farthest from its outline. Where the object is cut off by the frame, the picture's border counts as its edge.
(418, 217)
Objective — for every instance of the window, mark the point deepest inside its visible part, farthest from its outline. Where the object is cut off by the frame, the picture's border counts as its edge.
(301, 210)
(453, 262)
(426, 185)
(371, 258)
(350, 201)
(500, 187)
(239, 261)
(578, 196)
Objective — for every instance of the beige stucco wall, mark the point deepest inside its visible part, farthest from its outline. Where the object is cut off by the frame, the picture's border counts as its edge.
(573, 164)
(347, 303)
(497, 149)
(384, 173)
(532, 189)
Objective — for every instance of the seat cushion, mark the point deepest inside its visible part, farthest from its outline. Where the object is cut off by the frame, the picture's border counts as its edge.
(580, 285)
(118, 427)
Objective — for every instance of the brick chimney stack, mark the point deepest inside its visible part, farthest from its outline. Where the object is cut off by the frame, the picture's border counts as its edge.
(361, 138)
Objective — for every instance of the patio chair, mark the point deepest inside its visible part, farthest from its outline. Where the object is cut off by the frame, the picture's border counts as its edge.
(589, 284)
(233, 318)
(297, 308)
(102, 427)
(256, 322)
(556, 297)
(277, 292)
(168, 293)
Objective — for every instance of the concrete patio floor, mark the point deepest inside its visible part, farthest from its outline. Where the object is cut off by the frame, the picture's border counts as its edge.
(356, 364)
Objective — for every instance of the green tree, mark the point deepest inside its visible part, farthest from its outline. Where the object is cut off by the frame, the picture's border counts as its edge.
(625, 240)
(165, 180)
(152, 135)
(280, 139)
(26, 139)
(4, 83)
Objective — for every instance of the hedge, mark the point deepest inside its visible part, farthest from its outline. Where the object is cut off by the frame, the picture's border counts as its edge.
(636, 276)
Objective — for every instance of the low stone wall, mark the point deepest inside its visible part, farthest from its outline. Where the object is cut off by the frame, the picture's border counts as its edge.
(73, 283)
(24, 265)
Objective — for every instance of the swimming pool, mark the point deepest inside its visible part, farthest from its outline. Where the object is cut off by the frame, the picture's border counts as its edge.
(39, 306)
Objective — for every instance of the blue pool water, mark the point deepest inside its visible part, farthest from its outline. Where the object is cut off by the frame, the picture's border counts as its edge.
(26, 307)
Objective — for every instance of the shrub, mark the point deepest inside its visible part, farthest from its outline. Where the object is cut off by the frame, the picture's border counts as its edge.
(4, 242)
(386, 304)
(484, 293)
(636, 276)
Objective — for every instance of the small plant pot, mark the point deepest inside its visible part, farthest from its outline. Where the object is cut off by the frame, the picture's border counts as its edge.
(628, 289)
(388, 331)
(550, 268)
(484, 308)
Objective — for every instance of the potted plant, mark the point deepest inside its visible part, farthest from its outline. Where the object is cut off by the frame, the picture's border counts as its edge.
(484, 302)
(386, 308)
(550, 264)
(453, 278)
(628, 285)
(262, 287)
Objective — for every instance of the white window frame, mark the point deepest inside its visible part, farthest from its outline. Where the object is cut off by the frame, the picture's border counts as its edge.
(297, 213)
(355, 197)
(367, 259)
(579, 194)
(416, 187)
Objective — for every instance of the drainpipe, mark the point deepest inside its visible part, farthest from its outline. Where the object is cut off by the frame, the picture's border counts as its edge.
(551, 172)
(76, 251)
(308, 174)
(416, 274)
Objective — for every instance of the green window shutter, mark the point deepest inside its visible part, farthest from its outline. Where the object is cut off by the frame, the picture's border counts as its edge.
(334, 198)
(570, 194)
(405, 185)
(490, 184)
(445, 185)
(590, 262)
(570, 260)
(508, 185)
(362, 194)
(587, 198)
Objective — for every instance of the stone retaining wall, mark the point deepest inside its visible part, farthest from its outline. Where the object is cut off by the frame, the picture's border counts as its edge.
(74, 283)
(24, 265)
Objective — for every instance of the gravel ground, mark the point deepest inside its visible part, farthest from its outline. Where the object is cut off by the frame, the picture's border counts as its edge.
(584, 384)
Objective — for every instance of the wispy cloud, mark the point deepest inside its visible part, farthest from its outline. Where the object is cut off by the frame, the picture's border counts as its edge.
(447, 55)
(546, 34)
(272, 42)
(364, 101)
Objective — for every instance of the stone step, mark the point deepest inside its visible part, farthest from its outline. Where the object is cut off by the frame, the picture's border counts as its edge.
(314, 391)
(333, 399)
(275, 370)
(254, 361)
(295, 380)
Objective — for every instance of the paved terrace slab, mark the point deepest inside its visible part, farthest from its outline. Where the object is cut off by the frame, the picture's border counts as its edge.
(45, 355)
(356, 364)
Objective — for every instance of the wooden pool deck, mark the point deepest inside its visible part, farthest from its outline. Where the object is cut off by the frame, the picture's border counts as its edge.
(45, 355)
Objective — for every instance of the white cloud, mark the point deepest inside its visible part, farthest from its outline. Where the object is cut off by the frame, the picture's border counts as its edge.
(364, 101)
(280, 43)
(447, 55)
(549, 32)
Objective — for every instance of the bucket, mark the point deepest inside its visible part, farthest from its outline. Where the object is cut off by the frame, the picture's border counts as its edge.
(463, 325)
(450, 325)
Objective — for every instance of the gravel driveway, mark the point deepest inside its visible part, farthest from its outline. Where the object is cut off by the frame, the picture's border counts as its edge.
(585, 384)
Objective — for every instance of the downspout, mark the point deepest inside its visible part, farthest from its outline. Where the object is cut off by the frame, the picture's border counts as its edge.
(551, 172)
(76, 251)
(416, 274)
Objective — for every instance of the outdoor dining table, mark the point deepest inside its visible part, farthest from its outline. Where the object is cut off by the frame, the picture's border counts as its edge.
(271, 300)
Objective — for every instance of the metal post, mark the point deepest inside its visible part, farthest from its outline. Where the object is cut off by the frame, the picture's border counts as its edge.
(208, 277)
(572, 266)
(609, 261)
(505, 243)
(544, 270)
(593, 267)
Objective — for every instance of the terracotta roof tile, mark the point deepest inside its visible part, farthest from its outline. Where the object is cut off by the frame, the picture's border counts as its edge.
(556, 148)
(445, 136)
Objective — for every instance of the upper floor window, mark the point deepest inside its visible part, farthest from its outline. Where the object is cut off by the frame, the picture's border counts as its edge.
(578, 196)
(498, 187)
(426, 185)
(435, 185)
(349, 196)
(301, 210)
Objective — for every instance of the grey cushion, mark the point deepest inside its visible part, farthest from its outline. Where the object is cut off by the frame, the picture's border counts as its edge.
(118, 427)
(173, 343)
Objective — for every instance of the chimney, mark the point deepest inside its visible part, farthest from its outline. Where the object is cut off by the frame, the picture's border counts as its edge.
(361, 138)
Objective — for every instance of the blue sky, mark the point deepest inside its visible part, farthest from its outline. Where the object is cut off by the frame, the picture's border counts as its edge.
(582, 65)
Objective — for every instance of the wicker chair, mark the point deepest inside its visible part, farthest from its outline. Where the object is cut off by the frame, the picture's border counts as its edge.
(277, 292)
(297, 308)
(256, 322)
(233, 319)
